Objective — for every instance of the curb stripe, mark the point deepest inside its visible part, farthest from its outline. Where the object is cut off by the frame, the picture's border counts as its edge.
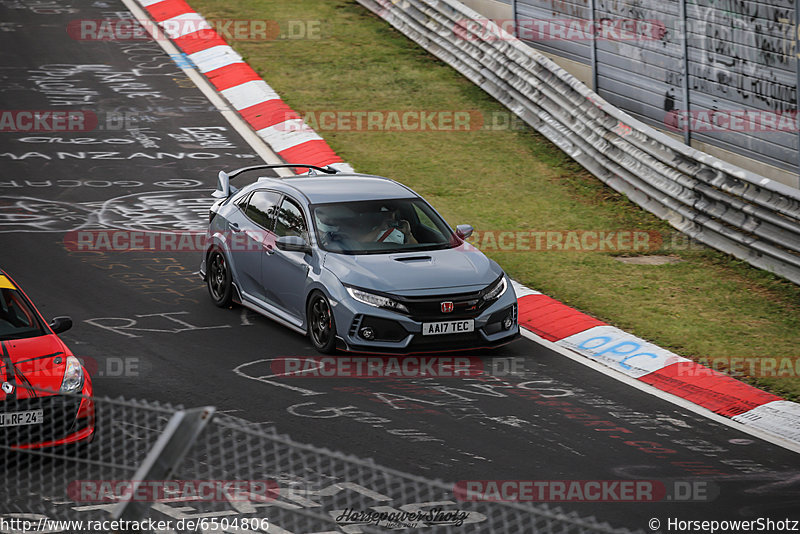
(781, 418)
(552, 320)
(198, 41)
(168, 9)
(343, 167)
(710, 389)
(317, 151)
(249, 94)
(620, 350)
(185, 24)
(287, 134)
(232, 75)
(522, 291)
(270, 113)
(215, 58)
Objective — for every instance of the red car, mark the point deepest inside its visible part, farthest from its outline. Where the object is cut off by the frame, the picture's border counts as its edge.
(44, 388)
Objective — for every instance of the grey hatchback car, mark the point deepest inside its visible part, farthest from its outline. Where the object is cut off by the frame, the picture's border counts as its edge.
(357, 262)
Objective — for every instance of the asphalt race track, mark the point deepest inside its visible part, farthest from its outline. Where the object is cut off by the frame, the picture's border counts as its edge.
(150, 164)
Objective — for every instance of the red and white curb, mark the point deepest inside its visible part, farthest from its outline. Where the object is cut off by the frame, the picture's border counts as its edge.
(666, 371)
(257, 103)
(549, 320)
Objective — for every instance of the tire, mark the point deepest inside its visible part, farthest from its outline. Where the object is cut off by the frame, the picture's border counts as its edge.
(218, 279)
(321, 325)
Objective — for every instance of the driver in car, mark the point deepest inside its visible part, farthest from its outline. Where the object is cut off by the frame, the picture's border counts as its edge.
(392, 229)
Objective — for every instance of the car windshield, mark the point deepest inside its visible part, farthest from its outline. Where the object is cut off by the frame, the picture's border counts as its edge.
(17, 318)
(380, 227)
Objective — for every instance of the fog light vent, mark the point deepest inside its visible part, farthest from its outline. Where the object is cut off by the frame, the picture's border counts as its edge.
(367, 333)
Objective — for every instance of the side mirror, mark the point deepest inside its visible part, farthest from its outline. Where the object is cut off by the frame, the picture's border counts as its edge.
(293, 243)
(464, 230)
(61, 324)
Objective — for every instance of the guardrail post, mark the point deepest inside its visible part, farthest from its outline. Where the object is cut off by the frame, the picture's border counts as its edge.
(797, 72)
(687, 131)
(169, 450)
(593, 48)
(514, 16)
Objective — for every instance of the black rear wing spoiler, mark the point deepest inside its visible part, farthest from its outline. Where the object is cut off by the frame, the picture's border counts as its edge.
(224, 188)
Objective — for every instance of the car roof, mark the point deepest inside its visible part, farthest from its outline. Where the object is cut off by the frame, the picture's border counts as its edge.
(322, 189)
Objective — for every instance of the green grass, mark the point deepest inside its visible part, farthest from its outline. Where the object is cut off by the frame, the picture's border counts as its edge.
(708, 305)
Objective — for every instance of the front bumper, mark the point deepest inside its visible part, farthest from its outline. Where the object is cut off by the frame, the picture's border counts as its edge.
(67, 419)
(397, 333)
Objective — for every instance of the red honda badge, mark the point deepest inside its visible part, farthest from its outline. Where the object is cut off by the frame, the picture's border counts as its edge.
(447, 307)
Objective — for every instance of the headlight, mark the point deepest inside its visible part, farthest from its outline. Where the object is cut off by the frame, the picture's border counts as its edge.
(376, 300)
(73, 376)
(496, 290)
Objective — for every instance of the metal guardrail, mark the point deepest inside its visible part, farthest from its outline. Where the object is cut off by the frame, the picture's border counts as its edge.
(728, 208)
(198, 470)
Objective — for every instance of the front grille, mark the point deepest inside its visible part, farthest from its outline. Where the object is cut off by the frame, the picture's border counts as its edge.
(465, 306)
(59, 419)
(429, 308)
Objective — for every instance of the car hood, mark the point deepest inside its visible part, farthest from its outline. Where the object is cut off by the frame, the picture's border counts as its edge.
(35, 360)
(415, 272)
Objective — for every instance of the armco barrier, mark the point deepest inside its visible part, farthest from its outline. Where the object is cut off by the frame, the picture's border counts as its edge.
(738, 212)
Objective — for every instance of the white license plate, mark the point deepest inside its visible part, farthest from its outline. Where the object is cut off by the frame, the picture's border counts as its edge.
(448, 327)
(31, 417)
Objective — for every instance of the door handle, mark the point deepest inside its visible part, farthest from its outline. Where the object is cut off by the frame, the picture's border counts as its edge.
(234, 226)
(269, 249)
